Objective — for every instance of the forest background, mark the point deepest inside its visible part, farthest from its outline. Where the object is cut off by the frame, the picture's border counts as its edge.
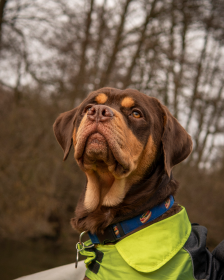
(52, 54)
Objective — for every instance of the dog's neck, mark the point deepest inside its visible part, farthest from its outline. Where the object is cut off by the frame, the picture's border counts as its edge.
(143, 196)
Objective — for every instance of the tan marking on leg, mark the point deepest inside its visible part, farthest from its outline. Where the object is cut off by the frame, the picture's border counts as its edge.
(101, 98)
(92, 195)
(116, 193)
(127, 102)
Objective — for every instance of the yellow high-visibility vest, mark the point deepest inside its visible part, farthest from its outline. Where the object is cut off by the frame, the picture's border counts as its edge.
(155, 252)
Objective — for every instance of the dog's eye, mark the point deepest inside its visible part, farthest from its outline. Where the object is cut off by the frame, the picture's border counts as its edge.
(136, 114)
(88, 108)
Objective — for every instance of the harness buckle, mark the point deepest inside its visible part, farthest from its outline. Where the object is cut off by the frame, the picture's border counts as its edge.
(83, 247)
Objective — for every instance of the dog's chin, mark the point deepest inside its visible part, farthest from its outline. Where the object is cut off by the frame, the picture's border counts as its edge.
(98, 156)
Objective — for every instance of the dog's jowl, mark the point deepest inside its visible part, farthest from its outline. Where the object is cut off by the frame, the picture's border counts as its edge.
(127, 144)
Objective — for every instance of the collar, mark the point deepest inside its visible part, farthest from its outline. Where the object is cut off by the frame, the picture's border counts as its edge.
(115, 232)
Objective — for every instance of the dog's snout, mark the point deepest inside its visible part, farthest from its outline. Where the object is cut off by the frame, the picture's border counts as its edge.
(99, 113)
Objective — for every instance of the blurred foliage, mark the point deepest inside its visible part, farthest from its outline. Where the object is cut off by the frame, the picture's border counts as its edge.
(201, 193)
(38, 192)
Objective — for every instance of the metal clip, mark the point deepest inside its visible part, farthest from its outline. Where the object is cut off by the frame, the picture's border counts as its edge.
(82, 248)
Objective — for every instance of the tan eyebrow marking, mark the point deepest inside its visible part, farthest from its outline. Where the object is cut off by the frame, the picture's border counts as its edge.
(127, 102)
(101, 98)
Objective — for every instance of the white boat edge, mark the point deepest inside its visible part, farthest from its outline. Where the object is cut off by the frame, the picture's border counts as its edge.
(65, 272)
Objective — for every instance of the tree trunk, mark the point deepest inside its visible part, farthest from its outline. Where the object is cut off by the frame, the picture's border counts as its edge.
(80, 78)
(149, 16)
(2, 8)
(106, 74)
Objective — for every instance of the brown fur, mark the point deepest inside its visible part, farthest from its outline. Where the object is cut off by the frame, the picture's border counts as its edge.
(127, 160)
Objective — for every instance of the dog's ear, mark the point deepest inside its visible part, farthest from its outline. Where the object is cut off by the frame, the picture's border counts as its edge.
(63, 129)
(177, 143)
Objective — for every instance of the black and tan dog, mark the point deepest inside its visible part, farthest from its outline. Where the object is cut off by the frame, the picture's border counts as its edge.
(127, 144)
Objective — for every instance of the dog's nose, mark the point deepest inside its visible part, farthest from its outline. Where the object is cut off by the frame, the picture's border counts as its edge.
(99, 113)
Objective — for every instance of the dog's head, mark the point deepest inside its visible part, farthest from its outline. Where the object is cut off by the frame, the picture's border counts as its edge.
(118, 137)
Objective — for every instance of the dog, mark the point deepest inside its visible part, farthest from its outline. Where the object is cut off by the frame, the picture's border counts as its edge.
(127, 144)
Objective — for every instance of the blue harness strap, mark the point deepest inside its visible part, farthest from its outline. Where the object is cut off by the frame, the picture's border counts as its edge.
(118, 230)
